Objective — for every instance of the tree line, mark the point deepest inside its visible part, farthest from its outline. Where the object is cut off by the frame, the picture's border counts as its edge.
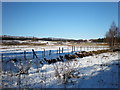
(6, 37)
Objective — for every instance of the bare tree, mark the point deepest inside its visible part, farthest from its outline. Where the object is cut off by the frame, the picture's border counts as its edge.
(113, 36)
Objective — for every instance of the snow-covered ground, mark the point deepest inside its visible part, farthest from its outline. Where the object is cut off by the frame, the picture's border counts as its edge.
(18, 51)
(98, 71)
(28, 41)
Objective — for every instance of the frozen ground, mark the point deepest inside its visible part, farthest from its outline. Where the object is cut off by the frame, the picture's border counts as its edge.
(98, 71)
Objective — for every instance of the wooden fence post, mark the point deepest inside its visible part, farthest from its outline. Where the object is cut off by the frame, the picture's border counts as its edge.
(44, 52)
(80, 48)
(68, 49)
(25, 55)
(77, 48)
(1, 71)
(19, 77)
(72, 49)
(59, 50)
(2, 57)
(87, 48)
(62, 49)
(34, 54)
(50, 52)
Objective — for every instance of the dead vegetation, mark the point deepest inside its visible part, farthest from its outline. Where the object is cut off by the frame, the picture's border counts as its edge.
(89, 53)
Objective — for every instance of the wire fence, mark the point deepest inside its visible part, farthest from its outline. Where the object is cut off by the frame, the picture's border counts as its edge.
(43, 53)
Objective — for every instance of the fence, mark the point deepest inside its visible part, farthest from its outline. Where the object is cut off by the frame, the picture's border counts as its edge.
(43, 53)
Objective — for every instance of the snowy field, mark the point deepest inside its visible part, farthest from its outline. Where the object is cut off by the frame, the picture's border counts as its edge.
(97, 71)
(10, 52)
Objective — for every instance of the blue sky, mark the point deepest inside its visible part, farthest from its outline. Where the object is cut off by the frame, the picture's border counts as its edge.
(75, 20)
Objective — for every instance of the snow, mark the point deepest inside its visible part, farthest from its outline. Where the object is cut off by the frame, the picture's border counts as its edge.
(18, 51)
(98, 71)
